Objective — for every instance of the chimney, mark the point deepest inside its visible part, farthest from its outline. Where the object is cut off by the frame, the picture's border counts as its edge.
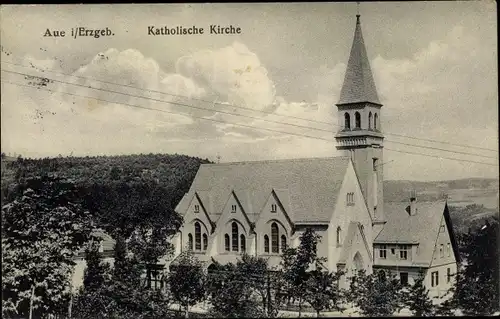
(413, 203)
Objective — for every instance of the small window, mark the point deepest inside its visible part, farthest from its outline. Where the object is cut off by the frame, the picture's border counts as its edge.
(233, 208)
(403, 252)
(227, 243)
(441, 251)
(448, 248)
(441, 229)
(435, 279)
(375, 163)
(383, 252)
(196, 208)
(273, 208)
(375, 121)
(393, 251)
(350, 198)
(205, 241)
(358, 119)
(154, 276)
(370, 121)
(403, 278)
(266, 243)
(448, 275)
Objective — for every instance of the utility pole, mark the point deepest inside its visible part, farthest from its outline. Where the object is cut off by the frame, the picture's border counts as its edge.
(31, 301)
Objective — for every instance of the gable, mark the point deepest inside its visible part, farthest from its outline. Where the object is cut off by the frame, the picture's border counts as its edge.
(229, 214)
(274, 210)
(355, 241)
(196, 210)
(444, 251)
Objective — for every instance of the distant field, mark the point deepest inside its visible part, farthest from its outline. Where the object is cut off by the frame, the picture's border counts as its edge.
(460, 192)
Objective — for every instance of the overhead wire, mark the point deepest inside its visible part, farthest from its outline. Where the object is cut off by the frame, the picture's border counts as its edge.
(221, 121)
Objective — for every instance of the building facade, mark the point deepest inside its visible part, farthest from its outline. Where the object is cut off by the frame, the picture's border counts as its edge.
(262, 207)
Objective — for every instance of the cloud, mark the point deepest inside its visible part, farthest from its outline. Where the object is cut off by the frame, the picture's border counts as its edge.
(425, 95)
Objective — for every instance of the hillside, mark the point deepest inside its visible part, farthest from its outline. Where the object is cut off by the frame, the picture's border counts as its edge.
(460, 192)
(171, 171)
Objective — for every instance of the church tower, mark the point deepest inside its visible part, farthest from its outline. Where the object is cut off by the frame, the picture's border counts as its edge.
(360, 135)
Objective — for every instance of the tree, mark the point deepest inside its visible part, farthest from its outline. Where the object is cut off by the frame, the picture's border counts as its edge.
(322, 290)
(376, 294)
(475, 291)
(187, 281)
(42, 230)
(417, 299)
(296, 263)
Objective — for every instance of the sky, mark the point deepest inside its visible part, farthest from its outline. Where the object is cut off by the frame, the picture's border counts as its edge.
(267, 93)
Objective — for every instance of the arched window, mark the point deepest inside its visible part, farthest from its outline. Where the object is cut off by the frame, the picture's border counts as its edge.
(358, 119)
(375, 121)
(197, 236)
(205, 241)
(227, 243)
(243, 243)
(339, 236)
(347, 121)
(283, 243)
(190, 241)
(275, 238)
(266, 243)
(370, 121)
(234, 227)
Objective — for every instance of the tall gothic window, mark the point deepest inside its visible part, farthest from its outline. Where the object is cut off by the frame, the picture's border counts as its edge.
(375, 121)
(274, 238)
(205, 241)
(358, 119)
(243, 243)
(190, 241)
(283, 243)
(266, 243)
(370, 121)
(197, 236)
(234, 227)
(347, 121)
(227, 243)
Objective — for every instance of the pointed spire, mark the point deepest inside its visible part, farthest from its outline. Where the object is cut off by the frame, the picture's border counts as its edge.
(358, 82)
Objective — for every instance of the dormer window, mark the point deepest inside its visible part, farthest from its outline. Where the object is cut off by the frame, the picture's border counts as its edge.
(233, 208)
(273, 208)
(196, 208)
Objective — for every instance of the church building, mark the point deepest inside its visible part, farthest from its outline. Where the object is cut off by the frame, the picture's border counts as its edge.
(261, 207)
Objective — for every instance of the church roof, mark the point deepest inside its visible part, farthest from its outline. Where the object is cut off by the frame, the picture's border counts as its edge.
(421, 228)
(358, 81)
(307, 188)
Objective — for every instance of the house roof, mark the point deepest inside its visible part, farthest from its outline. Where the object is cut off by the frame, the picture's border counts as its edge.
(358, 81)
(308, 188)
(421, 228)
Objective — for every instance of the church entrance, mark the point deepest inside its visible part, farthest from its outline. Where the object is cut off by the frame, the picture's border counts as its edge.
(358, 263)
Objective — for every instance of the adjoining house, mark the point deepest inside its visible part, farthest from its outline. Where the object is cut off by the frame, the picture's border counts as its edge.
(262, 207)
